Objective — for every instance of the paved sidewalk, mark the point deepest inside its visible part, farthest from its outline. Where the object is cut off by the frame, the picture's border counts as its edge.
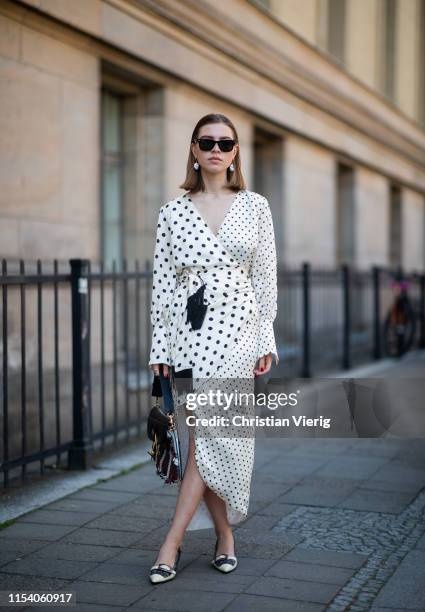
(334, 524)
(331, 522)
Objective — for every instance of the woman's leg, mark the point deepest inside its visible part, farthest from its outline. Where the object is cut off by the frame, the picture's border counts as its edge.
(217, 507)
(192, 489)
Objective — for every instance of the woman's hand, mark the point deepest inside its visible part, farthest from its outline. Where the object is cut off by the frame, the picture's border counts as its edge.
(156, 368)
(264, 364)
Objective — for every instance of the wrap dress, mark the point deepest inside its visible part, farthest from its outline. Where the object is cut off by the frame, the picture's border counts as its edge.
(237, 268)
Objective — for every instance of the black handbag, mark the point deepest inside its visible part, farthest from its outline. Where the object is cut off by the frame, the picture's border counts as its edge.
(162, 430)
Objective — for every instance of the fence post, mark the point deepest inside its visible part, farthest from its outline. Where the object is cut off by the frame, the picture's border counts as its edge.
(422, 310)
(346, 353)
(306, 358)
(81, 453)
(377, 345)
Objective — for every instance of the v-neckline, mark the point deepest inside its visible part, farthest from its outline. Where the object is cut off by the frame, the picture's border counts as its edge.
(216, 236)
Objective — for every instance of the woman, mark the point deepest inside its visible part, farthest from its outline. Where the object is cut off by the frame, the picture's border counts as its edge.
(216, 242)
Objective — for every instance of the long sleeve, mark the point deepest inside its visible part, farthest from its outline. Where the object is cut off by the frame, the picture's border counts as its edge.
(163, 285)
(264, 281)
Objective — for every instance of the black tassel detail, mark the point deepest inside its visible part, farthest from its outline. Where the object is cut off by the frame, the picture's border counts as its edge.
(196, 309)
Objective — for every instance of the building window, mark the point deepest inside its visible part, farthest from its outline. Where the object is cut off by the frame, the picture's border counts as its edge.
(423, 232)
(336, 28)
(268, 178)
(112, 167)
(395, 226)
(421, 64)
(264, 3)
(345, 215)
(388, 51)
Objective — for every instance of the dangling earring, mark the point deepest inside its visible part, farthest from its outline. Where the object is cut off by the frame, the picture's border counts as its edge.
(196, 165)
(232, 167)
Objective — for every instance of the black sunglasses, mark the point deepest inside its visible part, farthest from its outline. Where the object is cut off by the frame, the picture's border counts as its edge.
(207, 144)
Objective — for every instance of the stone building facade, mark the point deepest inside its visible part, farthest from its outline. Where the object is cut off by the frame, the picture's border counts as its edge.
(99, 98)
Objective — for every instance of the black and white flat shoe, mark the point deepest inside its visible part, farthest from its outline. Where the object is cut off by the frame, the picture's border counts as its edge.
(224, 563)
(163, 572)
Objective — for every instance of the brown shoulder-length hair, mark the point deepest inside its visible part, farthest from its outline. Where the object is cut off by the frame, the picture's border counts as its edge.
(194, 181)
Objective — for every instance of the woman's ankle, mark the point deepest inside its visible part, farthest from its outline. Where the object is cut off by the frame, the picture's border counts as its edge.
(166, 546)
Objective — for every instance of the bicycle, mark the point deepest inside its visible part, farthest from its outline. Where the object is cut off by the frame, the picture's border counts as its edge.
(400, 322)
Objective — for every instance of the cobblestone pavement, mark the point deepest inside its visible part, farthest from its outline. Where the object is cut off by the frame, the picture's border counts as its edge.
(334, 524)
(384, 538)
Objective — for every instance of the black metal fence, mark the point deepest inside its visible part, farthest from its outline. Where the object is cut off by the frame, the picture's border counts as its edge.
(333, 319)
(74, 351)
(75, 341)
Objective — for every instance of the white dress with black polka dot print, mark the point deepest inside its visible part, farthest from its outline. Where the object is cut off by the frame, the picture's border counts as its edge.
(237, 267)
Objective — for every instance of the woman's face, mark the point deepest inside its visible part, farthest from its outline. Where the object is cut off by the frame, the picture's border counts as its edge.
(214, 161)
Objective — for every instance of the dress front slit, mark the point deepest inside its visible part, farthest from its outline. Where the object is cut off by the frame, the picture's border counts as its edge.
(224, 463)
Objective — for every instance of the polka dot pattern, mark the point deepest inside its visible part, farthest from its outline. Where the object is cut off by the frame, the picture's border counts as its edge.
(224, 463)
(238, 267)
